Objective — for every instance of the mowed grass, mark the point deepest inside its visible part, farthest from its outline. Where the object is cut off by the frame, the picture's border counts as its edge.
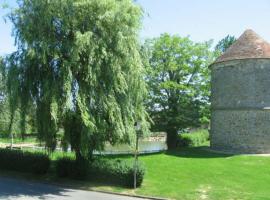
(194, 173)
(18, 140)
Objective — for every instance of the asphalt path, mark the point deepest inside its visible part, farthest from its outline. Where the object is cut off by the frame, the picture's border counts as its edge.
(11, 189)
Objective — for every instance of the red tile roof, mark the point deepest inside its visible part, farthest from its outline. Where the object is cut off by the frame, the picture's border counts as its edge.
(248, 45)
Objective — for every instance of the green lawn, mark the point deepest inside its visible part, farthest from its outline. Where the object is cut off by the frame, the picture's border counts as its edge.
(194, 173)
(17, 140)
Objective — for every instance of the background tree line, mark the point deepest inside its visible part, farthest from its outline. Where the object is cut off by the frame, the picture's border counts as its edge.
(79, 66)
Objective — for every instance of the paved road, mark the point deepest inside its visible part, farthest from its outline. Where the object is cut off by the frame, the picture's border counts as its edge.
(11, 189)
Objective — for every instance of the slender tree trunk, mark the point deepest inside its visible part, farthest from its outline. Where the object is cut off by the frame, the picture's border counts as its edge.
(10, 128)
(136, 160)
(22, 123)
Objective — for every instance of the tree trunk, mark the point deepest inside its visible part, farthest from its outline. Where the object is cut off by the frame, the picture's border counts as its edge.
(78, 154)
(10, 128)
(91, 155)
(172, 139)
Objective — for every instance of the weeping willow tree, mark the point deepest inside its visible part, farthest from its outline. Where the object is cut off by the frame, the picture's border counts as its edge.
(78, 63)
(3, 102)
(9, 121)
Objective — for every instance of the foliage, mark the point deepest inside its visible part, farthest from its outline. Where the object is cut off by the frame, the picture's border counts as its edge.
(17, 160)
(178, 82)
(224, 44)
(117, 171)
(194, 139)
(110, 171)
(12, 121)
(3, 103)
(75, 169)
(62, 166)
(78, 61)
(2, 77)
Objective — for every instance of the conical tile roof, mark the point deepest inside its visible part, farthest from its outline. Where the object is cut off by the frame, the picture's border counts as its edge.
(248, 45)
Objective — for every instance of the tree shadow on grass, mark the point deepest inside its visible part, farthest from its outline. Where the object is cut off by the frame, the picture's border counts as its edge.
(184, 152)
(128, 156)
(196, 152)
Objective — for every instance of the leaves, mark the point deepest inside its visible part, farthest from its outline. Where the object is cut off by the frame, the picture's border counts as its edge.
(80, 57)
(224, 44)
(178, 81)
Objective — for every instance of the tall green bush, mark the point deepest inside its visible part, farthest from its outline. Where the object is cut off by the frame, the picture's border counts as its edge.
(17, 160)
(70, 168)
(111, 171)
(117, 171)
(194, 139)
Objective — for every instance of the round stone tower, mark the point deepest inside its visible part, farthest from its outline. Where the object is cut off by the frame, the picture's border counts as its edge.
(240, 115)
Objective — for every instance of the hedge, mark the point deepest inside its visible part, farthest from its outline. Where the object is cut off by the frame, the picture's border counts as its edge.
(17, 160)
(111, 171)
(117, 171)
(68, 167)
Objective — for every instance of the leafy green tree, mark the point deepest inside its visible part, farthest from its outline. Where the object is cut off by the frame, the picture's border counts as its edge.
(11, 122)
(2, 82)
(78, 62)
(3, 104)
(225, 43)
(178, 82)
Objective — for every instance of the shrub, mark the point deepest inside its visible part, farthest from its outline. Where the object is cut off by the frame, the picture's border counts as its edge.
(62, 166)
(195, 139)
(125, 172)
(18, 160)
(110, 171)
(68, 167)
(117, 171)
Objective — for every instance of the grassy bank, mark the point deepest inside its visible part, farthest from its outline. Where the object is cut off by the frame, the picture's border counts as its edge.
(194, 173)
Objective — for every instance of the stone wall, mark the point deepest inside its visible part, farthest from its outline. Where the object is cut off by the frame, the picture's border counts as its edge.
(240, 120)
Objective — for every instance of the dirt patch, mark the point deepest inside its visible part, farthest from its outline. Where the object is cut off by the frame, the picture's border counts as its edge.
(204, 191)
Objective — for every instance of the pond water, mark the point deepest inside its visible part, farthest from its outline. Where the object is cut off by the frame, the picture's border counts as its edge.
(144, 147)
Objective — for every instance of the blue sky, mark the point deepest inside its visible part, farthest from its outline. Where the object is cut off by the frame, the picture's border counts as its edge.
(200, 19)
